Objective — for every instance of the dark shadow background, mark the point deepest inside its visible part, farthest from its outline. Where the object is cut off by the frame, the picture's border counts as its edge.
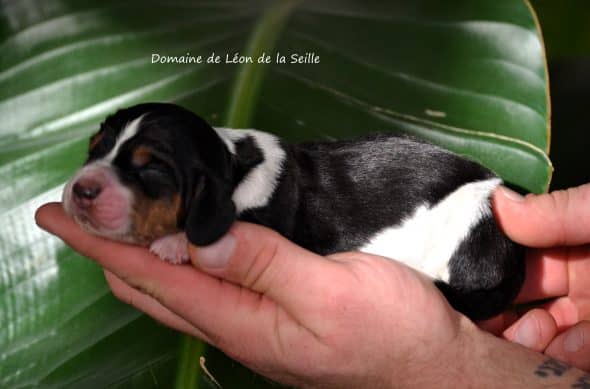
(570, 96)
(566, 31)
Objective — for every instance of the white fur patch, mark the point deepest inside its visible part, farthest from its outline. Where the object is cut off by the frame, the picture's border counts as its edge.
(223, 133)
(172, 248)
(257, 187)
(426, 240)
(127, 133)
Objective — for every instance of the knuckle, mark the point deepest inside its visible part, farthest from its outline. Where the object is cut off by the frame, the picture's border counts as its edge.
(338, 302)
(148, 288)
(555, 209)
(118, 293)
(123, 295)
(235, 350)
(562, 207)
(258, 273)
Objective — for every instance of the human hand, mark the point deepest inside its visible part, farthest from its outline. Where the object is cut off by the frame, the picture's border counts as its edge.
(346, 320)
(558, 226)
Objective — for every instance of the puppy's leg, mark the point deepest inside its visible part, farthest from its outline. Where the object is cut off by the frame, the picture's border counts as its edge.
(486, 272)
(172, 248)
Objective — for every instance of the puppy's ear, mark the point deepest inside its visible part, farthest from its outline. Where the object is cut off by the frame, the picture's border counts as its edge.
(211, 212)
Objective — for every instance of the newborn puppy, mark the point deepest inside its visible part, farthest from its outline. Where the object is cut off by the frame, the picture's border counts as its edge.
(157, 175)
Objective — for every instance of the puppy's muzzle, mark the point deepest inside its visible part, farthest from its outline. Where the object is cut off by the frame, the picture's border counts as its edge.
(99, 202)
(85, 191)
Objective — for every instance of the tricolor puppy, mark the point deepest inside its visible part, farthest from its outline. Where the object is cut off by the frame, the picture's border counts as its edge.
(157, 175)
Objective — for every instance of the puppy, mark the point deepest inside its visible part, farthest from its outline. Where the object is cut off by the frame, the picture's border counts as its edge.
(157, 175)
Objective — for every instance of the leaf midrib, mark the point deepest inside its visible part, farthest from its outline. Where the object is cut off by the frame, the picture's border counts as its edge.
(242, 102)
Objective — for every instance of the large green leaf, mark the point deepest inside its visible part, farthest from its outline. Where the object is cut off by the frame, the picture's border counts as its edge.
(468, 75)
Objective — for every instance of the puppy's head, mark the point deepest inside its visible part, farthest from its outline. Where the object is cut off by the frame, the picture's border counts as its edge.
(152, 170)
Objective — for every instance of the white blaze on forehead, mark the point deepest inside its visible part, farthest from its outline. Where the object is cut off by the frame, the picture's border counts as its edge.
(127, 133)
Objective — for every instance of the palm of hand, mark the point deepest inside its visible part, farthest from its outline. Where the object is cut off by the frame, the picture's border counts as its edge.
(283, 311)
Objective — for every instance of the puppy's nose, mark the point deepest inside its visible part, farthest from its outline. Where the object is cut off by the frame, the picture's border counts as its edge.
(85, 191)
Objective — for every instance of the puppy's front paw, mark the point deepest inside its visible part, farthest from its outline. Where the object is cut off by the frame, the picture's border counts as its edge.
(172, 248)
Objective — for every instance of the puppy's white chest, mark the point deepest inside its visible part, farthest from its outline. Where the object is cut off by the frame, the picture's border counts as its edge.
(428, 238)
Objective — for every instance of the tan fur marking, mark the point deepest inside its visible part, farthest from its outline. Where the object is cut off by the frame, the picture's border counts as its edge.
(141, 156)
(95, 139)
(153, 219)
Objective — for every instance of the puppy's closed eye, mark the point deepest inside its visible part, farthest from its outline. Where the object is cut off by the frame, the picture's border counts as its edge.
(154, 175)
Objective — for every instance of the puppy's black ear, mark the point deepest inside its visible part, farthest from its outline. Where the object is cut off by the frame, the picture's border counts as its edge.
(211, 213)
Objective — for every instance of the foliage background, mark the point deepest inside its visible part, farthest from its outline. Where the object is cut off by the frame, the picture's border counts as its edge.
(567, 40)
(60, 325)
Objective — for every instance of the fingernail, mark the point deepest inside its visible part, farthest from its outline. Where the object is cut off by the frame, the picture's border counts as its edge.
(511, 195)
(216, 255)
(574, 340)
(528, 333)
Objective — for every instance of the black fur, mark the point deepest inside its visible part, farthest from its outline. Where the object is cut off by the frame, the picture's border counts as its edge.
(211, 213)
(353, 189)
(331, 196)
(487, 272)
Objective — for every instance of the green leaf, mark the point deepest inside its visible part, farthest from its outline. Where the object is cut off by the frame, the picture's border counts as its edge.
(467, 75)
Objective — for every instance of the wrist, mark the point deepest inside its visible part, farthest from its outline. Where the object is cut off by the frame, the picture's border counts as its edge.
(489, 361)
(474, 358)
(462, 356)
(443, 364)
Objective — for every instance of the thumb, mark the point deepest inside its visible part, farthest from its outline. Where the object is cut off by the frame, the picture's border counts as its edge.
(552, 219)
(261, 260)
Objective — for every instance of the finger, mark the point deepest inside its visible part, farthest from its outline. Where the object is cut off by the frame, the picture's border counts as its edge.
(573, 346)
(546, 275)
(553, 219)
(260, 259)
(534, 330)
(151, 306)
(133, 265)
(564, 311)
(222, 311)
(128, 262)
(497, 324)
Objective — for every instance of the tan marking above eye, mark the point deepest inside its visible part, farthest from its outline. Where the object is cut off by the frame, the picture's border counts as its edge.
(141, 156)
(95, 139)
